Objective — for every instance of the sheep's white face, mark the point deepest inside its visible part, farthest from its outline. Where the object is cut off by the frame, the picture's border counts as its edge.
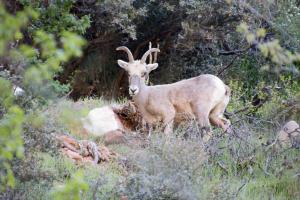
(134, 85)
(136, 70)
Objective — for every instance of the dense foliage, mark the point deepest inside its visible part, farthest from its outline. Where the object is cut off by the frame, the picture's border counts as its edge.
(195, 37)
(41, 61)
(59, 51)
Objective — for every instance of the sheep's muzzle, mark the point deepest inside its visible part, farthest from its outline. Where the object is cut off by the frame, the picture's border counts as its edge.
(134, 85)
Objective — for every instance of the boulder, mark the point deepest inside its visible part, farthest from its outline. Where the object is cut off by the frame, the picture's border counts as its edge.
(101, 121)
(290, 132)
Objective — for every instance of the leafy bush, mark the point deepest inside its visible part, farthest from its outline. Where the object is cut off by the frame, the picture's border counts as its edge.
(74, 188)
(197, 37)
(56, 17)
(42, 62)
(11, 115)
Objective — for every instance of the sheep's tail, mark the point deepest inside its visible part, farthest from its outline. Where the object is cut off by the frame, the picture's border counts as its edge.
(228, 91)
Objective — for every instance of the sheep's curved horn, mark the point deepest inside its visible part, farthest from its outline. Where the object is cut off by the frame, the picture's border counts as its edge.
(143, 59)
(130, 56)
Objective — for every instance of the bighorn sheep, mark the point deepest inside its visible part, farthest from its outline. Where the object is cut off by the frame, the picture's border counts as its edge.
(204, 97)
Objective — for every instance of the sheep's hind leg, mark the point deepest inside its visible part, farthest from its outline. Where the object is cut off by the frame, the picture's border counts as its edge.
(203, 123)
(216, 117)
(219, 122)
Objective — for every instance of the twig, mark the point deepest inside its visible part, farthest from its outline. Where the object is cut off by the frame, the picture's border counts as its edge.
(242, 139)
(234, 52)
(239, 111)
(241, 187)
(227, 66)
(296, 175)
(222, 167)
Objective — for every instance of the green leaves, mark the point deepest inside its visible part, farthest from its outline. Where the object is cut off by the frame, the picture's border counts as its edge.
(43, 61)
(6, 97)
(10, 127)
(261, 33)
(10, 25)
(74, 188)
(250, 38)
(278, 54)
(271, 49)
(243, 28)
(11, 115)
(53, 54)
(11, 143)
(72, 44)
(56, 17)
(28, 51)
(46, 42)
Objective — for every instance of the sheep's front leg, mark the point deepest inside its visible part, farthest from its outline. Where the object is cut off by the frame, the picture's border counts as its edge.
(168, 121)
(168, 127)
(147, 128)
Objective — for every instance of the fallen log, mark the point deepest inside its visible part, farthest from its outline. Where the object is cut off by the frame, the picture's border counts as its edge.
(84, 151)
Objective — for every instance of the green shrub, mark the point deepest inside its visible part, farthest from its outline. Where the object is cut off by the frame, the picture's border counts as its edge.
(74, 188)
(43, 60)
(166, 170)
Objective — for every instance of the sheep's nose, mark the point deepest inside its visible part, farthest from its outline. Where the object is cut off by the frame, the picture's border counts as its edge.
(133, 90)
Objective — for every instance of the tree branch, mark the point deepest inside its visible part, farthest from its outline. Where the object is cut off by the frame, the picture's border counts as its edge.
(227, 66)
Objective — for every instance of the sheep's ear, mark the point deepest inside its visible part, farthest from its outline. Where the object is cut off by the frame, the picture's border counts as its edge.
(123, 64)
(151, 67)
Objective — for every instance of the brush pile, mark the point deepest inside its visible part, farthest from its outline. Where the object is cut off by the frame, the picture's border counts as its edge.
(129, 116)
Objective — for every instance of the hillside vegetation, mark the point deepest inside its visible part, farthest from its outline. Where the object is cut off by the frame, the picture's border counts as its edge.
(62, 56)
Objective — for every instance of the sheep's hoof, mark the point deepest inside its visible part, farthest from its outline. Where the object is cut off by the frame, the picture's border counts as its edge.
(229, 130)
(206, 137)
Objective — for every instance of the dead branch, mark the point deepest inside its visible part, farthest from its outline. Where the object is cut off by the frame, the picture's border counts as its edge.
(129, 116)
(234, 52)
(241, 187)
(227, 66)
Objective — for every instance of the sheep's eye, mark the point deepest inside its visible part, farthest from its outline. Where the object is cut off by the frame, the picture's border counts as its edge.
(144, 74)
